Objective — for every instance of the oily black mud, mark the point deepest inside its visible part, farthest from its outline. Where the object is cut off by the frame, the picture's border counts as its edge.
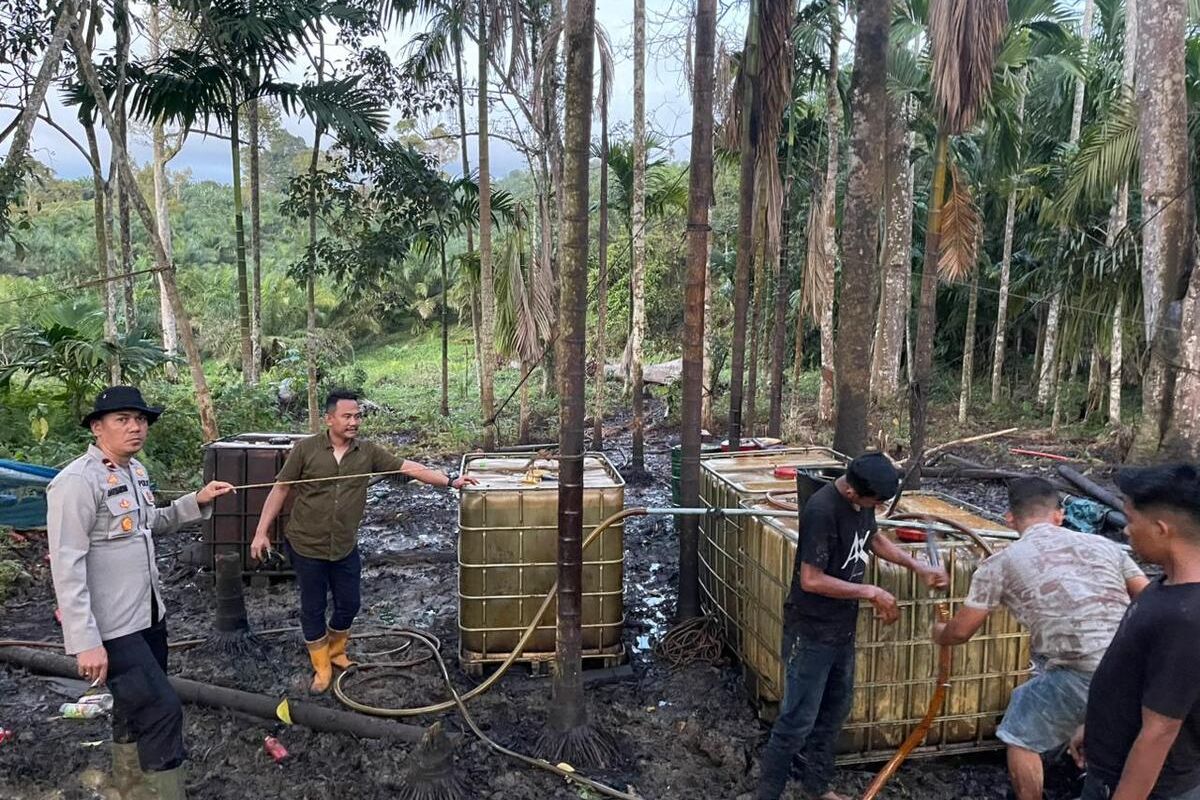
(680, 733)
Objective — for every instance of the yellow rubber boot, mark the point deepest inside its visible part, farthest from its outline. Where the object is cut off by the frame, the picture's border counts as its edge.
(337, 648)
(318, 653)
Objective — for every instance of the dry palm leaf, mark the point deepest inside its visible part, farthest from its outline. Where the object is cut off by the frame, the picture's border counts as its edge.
(817, 288)
(960, 230)
(964, 36)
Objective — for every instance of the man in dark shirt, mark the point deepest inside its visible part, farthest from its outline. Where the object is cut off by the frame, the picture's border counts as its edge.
(322, 533)
(1141, 738)
(837, 538)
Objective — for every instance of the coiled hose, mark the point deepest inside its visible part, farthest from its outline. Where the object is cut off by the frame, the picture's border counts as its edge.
(459, 701)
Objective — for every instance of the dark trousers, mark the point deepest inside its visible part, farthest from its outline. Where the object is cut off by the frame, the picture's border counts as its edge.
(146, 709)
(817, 697)
(317, 579)
(1096, 788)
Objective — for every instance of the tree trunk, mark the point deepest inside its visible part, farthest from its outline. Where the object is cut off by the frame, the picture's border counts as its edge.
(1010, 226)
(708, 381)
(14, 162)
(968, 360)
(208, 419)
(601, 283)
(833, 118)
(462, 126)
(896, 257)
(487, 286)
(922, 380)
(103, 257)
(1169, 413)
(170, 339)
(781, 275)
(696, 286)
(1115, 362)
(750, 415)
(310, 283)
(637, 277)
(256, 335)
(239, 232)
(1049, 375)
(751, 106)
(120, 109)
(445, 310)
(864, 207)
(525, 411)
(569, 713)
(1117, 221)
(113, 294)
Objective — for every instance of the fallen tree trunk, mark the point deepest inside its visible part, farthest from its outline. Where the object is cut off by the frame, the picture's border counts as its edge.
(204, 694)
(1091, 488)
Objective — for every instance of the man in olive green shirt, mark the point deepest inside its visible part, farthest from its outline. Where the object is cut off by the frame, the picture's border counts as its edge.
(322, 530)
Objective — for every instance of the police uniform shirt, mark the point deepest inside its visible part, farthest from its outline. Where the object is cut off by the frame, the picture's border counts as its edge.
(100, 519)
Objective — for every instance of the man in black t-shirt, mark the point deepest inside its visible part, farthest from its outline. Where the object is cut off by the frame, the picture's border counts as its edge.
(1141, 738)
(837, 538)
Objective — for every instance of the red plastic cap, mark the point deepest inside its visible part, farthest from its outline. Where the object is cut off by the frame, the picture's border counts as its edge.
(910, 534)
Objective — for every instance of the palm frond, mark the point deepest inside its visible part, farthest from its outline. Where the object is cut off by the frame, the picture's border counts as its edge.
(339, 104)
(1107, 156)
(817, 288)
(964, 36)
(960, 230)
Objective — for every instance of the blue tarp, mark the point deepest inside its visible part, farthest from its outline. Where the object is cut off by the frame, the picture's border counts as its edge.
(29, 510)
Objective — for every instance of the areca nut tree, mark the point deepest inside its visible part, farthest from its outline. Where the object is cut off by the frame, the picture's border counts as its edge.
(573, 739)
(964, 35)
(698, 232)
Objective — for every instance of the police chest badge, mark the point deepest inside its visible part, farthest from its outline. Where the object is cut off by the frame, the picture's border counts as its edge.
(127, 524)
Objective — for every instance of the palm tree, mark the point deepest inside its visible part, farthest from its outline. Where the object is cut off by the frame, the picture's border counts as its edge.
(827, 265)
(1048, 379)
(602, 258)
(751, 100)
(964, 35)
(777, 55)
(637, 275)
(569, 736)
(1117, 222)
(700, 196)
(864, 198)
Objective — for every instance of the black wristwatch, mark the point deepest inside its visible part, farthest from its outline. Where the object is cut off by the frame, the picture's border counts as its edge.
(451, 477)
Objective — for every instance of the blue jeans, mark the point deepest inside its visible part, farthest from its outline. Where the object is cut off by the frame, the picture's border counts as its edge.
(1095, 788)
(817, 698)
(317, 579)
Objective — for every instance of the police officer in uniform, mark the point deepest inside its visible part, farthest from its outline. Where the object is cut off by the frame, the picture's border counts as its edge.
(101, 520)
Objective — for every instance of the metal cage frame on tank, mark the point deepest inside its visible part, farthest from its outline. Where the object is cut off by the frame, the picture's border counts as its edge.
(507, 561)
(247, 458)
(727, 479)
(895, 666)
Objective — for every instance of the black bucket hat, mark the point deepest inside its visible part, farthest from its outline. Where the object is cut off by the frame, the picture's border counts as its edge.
(121, 398)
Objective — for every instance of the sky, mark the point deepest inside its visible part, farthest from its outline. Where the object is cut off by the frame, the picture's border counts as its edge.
(668, 104)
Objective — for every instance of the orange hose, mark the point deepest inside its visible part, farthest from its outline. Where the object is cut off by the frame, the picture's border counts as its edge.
(942, 610)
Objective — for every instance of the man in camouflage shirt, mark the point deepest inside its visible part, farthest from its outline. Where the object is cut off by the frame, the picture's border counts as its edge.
(1071, 590)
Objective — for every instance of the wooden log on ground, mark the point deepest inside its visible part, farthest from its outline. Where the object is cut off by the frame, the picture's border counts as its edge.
(1091, 488)
(197, 693)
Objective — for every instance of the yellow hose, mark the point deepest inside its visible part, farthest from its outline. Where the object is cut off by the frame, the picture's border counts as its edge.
(378, 711)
